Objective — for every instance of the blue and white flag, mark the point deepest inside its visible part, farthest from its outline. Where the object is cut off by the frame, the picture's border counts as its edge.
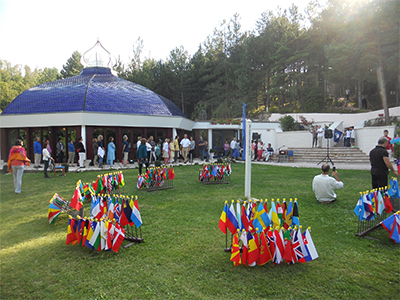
(337, 135)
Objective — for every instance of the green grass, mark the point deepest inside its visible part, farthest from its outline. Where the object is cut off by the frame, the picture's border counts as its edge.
(182, 256)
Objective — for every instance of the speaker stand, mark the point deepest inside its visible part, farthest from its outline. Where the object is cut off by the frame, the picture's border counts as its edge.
(326, 158)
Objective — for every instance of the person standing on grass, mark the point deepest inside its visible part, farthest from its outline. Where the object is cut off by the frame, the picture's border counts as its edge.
(141, 154)
(185, 145)
(201, 148)
(101, 151)
(206, 153)
(16, 161)
(176, 147)
(380, 164)
(226, 149)
(71, 152)
(152, 155)
(37, 152)
(192, 147)
(324, 186)
(125, 149)
(81, 152)
(95, 147)
(111, 151)
(233, 146)
(46, 158)
(159, 146)
(166, 151)
(60, 151)
(171, 151)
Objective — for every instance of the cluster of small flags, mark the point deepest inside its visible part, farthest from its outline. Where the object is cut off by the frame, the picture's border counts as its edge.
(278, 228)
(274, 245)
(124, 209)
(373, 202)
(95, 234)
(104, 229)
(214, 172)
(255, 214)
(106, 183)
(57, 204)
(155, 177)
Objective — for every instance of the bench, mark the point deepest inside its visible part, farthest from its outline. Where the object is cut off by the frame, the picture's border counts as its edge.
(59, 168)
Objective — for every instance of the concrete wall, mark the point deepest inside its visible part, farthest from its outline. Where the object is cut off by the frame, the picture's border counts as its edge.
(294, 139)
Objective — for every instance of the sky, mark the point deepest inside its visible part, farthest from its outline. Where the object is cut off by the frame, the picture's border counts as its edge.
(45, 33)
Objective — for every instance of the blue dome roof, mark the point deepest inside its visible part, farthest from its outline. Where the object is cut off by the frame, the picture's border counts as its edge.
(93, 90)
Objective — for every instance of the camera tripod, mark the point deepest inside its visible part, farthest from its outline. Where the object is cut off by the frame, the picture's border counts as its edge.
(327, 158)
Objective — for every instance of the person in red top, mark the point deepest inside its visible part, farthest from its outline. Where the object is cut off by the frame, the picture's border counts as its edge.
(389, 146)
(16, 161)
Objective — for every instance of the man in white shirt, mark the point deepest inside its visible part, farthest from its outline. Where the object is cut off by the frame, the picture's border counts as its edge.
(320, 135)
(185, 144)
(352, 137)
(324, 186)
(348, 136)
(233, 146)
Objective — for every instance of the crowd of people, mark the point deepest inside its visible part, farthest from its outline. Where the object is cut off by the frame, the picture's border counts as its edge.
(261, 152)
(349, 137)
(171, 150)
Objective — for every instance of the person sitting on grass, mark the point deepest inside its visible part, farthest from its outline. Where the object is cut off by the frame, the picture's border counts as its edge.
(324, 186)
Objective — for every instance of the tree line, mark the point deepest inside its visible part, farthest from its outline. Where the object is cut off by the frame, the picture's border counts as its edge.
(281, 66)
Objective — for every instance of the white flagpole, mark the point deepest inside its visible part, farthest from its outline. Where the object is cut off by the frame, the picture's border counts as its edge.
(247, 180)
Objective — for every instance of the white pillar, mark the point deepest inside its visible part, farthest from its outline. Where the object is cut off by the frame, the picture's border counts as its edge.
(209, 138)
(174, 133)
(247, 175)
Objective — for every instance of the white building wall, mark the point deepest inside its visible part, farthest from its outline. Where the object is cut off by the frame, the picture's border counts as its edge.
(289, 139)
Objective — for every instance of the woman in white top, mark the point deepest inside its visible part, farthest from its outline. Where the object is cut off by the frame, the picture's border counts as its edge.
(165, 151)
(46, 157)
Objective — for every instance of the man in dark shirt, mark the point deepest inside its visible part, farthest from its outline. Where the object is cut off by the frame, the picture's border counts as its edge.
(380, 164)
(201, 147)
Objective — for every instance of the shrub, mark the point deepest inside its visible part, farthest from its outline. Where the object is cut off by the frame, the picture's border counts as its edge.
(287, 123)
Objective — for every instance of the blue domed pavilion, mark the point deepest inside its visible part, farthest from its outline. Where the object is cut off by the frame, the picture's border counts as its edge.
(92, 103)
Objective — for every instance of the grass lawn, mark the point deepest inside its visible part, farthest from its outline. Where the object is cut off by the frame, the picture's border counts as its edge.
(182, 256)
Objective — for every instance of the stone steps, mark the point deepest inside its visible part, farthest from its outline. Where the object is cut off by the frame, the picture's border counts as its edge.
(337, 155)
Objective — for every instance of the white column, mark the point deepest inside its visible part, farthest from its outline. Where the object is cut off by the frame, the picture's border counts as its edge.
(247, 175)
(83, 135)
(210, 138)
(174, 133)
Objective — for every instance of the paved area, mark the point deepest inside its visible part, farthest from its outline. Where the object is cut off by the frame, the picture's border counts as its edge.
(120, 166)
